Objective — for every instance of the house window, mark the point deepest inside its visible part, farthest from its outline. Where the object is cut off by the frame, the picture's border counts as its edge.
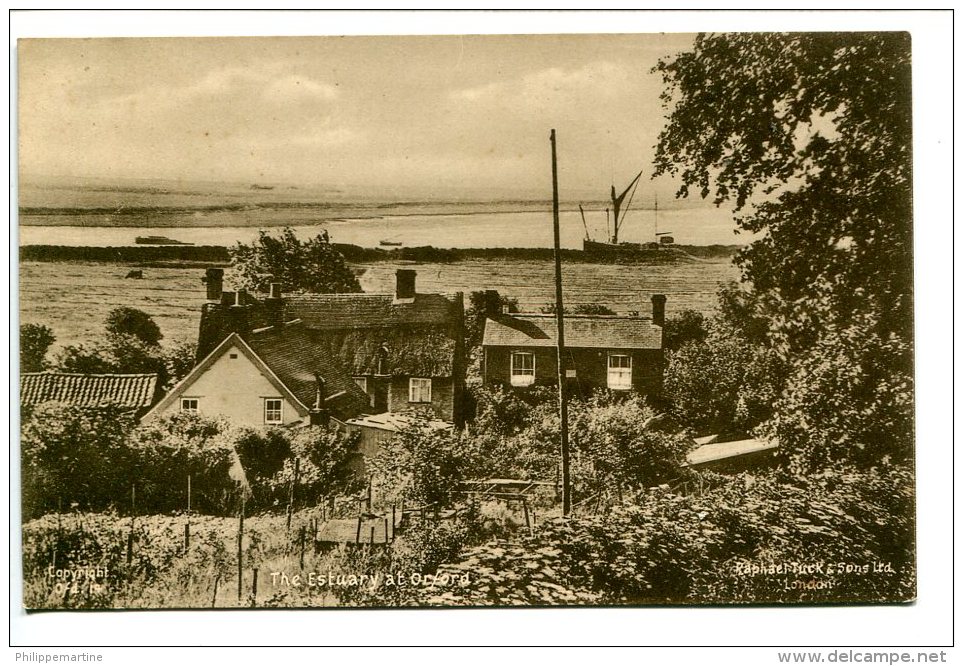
(620, 372)
(362, 383)
(272, 410)
(523, 368)
(189, 405)
(419, 390)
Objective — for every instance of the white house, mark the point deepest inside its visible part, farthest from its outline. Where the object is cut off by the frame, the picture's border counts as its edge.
(272, 376)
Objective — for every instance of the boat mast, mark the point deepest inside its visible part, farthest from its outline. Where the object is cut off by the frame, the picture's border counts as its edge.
(560, 323)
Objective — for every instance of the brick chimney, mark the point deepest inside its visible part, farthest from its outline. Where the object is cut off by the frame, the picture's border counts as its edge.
(274, 306)
(658, 309)
(214, 278)
(237, 314)
(405, 285)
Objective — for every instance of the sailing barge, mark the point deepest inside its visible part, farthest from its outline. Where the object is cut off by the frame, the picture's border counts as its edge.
(613, 246)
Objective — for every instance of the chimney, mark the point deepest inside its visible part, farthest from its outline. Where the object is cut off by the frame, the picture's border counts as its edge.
(658, 309)
(214, 278)
(237, 314)
(274, 306)
(405, 285)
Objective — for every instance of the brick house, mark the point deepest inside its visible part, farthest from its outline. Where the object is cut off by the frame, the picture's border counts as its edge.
(604, 351)
(403, 349)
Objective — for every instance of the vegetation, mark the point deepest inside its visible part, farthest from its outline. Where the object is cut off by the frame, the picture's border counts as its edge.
(35, 341)
(300, 266)
(808, 137)
(131, 321)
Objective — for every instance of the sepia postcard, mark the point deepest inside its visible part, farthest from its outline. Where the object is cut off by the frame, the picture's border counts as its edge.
(571, 320)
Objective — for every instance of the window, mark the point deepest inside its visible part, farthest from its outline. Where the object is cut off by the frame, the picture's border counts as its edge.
(523, 368)
(272, 410)
(362, 383)
(189, 405)
(419, 390)
(620, 372)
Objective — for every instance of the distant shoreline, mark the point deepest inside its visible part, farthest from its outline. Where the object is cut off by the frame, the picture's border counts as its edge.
(180, 255)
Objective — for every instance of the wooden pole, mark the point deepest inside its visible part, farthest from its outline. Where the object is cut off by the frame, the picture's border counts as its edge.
(187, 525)
(357, 534)
(254, 589)
(240, 552)
(560, 323)
(372, 536)
(386, 529)
(528, 523)
(301, 539)
(217, 579)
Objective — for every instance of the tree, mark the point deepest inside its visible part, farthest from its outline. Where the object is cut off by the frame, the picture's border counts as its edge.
(35, 341)
(808, 137)
(723, 382)
(309, 266)
(131, 321)
(117, 353)
(812, 132)
(687, 326)
(477, 310)
(179, 360)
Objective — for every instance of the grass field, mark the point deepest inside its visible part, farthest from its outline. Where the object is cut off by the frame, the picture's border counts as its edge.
(73, 298)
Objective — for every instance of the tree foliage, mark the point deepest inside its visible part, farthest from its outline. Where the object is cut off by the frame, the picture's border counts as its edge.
(814, 131)
(35, 341)
(723, 383)
(808, 137)
(300, 266)
(126, 321)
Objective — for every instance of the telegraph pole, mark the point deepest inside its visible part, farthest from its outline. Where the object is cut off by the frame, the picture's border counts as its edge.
(560, 322)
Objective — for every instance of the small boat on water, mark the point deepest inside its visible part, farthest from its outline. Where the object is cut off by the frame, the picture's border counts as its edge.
(389, 243)
(158, 240)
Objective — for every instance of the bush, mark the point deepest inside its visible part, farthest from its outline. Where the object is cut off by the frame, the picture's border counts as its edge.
(35, 341)
(666, 548)
(422, 465)
(724, 382)
(850, 399)
(326, 460)
(131, 321)
(71, 455)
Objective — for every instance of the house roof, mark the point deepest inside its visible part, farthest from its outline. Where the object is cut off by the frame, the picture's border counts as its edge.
(393, 422)
(587, 331)
(352, 311)
(130, 391)
(723, 450)
(295, 358)
(287, 359)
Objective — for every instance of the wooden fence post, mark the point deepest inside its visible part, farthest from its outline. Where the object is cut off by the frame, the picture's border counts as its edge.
(357, 534)
(187, 525)
(240, 553)
(217, 579)
(528, 522)
(301, 540)
(254, 588)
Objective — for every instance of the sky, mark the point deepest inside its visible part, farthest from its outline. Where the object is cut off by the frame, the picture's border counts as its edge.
(457, 114)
